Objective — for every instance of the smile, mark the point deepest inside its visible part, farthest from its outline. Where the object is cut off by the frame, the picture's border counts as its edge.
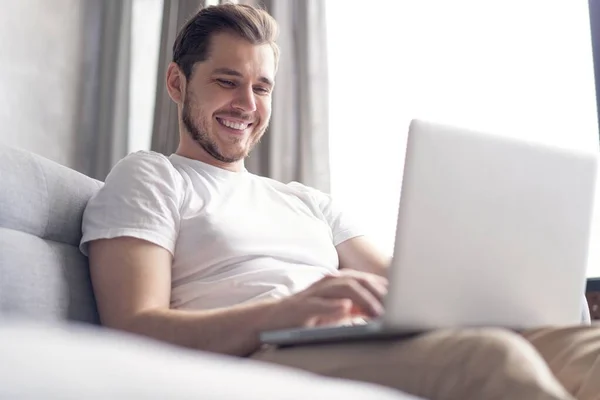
(238, 126)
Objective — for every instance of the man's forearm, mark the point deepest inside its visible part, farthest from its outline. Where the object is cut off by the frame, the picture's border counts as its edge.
(361, 255)
(233, 330)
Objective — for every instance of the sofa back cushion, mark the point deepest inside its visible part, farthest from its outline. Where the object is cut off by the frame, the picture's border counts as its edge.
(43, 274)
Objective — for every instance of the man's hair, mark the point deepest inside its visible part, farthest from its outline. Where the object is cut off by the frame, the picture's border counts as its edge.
(193, 41)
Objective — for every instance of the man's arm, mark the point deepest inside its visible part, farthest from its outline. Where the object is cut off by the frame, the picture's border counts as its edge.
(132, 285)
(360, 254)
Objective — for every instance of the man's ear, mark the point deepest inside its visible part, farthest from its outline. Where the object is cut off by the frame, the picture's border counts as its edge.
(175, 83)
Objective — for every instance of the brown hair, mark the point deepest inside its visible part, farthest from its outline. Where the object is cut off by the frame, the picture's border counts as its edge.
(192, 44)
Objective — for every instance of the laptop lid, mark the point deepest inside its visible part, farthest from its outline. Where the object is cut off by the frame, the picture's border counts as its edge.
(491, 231)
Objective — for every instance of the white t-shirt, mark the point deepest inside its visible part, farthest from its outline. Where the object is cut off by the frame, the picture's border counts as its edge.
(235, 236)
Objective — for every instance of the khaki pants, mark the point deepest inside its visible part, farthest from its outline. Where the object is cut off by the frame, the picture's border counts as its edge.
(464, 364)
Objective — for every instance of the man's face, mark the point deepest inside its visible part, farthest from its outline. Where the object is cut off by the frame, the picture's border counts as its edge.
(227, 103)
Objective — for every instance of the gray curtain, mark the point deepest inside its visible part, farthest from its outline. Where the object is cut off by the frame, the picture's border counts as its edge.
(104, 106)
(296, 146)
(165, 132)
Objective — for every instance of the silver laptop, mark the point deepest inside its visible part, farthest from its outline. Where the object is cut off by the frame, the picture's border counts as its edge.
(491, 231)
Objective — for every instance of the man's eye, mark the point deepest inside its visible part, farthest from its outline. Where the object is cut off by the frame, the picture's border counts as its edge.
(226, 83)
(262, 90)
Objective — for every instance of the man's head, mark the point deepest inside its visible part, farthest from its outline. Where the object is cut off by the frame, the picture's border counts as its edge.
(222, 75)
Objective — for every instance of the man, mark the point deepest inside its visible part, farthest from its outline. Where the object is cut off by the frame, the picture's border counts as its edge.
(194, 250)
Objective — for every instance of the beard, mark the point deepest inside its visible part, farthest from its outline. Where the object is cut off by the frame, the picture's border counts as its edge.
(199, 132)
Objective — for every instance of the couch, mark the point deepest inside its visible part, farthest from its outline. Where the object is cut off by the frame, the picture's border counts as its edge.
(51, 342)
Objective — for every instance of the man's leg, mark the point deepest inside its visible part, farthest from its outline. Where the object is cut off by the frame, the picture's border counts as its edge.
(573, 355)
(448, 364)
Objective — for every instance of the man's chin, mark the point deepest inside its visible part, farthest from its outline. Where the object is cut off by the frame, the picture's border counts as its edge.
(235, 152)
(231, 157)
(237, 157)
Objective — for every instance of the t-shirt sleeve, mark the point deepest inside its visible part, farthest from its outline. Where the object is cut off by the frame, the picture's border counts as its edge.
(140, 198)
(343, 227)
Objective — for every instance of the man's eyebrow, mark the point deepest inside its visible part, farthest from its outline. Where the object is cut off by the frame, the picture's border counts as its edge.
(233, 72)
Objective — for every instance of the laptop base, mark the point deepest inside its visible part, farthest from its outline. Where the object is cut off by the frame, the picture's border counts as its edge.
(334, 334)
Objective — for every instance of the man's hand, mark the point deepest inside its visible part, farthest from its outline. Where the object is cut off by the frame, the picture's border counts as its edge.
(334, 299)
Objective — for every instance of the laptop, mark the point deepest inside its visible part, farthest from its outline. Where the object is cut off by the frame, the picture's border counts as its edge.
(491, 231)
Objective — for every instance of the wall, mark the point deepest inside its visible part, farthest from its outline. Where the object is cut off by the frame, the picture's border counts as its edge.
(40, 68)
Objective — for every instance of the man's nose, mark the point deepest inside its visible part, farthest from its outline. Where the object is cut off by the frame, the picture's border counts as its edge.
(245, 99)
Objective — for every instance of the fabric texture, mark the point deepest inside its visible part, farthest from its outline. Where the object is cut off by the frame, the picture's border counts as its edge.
(42, 272)
(573, 355)
(141, 197)
(464, 364)
(44, 279)
(259, 238)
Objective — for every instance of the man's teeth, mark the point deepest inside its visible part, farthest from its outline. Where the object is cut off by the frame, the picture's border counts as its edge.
(234, 125)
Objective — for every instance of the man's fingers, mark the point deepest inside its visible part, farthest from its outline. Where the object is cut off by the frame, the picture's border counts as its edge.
(324, 309)
(348, 288)
(377, 285)
(364, 292)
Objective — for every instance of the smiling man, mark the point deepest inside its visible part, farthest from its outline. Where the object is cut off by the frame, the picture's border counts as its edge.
(224, 130)
(194, 250)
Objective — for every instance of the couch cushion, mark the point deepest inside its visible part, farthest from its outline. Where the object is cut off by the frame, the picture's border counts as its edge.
(77, 361)
(42, 272)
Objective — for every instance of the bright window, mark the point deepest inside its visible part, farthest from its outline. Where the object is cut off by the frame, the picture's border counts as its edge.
(519, 67)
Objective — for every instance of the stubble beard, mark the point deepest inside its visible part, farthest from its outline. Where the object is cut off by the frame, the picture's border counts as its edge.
(198, 130)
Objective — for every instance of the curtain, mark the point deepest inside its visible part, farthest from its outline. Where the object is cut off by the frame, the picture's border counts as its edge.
(296, 145)
(165, 132)
(103, 112)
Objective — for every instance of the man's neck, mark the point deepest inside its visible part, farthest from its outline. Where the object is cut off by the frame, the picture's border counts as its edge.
(200, 154)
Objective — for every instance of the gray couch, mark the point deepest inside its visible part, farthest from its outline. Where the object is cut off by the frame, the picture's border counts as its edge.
(44, 278)
(51, 343)
(43, 273)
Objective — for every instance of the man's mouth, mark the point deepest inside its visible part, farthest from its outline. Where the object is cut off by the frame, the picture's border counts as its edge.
(235, 125)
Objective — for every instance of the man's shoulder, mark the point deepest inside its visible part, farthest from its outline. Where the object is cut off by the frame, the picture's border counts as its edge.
(143, 162)
(146, 157)
(144, 168)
